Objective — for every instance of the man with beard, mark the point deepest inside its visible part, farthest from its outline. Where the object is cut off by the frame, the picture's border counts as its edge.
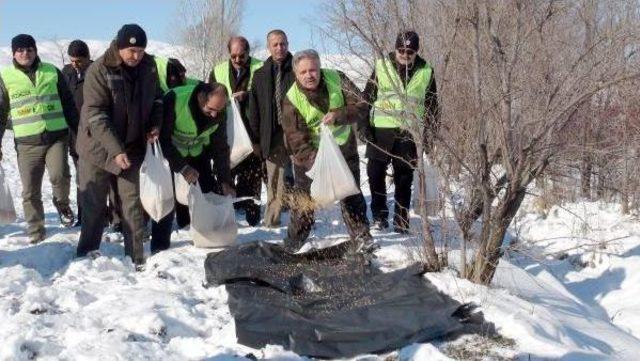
(193, 136)
(122, 111)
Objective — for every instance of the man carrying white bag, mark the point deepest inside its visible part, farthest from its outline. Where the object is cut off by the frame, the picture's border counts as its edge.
(194, 136)
(317, 112)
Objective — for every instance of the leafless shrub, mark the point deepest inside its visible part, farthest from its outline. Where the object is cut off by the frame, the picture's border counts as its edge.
(518, 82)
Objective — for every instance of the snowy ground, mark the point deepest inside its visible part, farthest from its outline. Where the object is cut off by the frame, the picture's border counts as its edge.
(568, 290)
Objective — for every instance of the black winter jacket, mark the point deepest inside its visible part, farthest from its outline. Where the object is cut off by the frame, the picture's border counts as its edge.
(262, 112)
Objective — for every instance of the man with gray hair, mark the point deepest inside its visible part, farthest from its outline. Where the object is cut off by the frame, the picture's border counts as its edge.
(322, 96)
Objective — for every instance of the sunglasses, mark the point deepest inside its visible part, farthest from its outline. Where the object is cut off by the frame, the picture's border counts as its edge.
(406, 51)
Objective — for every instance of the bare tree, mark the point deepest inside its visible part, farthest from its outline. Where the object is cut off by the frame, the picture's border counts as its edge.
(61, 48)
(512, 78)
(202, 28)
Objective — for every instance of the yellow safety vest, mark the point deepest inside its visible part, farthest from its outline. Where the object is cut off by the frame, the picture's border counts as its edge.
(312, 115)
(35, 108)
(185, 137)
(391, 108)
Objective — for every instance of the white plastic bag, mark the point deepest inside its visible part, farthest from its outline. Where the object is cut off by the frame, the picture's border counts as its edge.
(182, 189)
(332, 178)
(156, 186)
(213, 219)
(237, 137)
(7, 209)
(431, 187)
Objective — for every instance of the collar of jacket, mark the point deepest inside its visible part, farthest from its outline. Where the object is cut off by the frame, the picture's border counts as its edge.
(286, 64)
(112, 58)
(69, 69)
(30, 69)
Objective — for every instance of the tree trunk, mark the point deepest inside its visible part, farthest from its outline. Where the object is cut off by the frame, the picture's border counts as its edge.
(490, 250)
(585, 177)
(428, 244)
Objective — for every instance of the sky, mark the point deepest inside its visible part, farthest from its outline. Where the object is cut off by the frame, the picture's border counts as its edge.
(101, 19)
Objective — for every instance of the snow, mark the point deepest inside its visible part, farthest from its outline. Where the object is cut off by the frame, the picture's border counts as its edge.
(566, 289)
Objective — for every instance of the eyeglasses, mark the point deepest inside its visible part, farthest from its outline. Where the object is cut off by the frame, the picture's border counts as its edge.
(406, 51)
(238, 56)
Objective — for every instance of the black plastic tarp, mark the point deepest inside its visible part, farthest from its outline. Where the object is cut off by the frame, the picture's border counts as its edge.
(328, 307)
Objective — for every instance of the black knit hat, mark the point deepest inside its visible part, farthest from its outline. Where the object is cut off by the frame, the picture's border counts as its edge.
(22, 41)
(78, 48)
(131, 35)
(408, 40)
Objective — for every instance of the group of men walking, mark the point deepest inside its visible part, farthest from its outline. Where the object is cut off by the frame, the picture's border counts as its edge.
(105, 112)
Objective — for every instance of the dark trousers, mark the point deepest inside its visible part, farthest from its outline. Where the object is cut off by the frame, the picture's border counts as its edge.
(32, 162)
(402, 178)
(161, 233)
(113, 213)
(94, 187)
(247, 179)
(354, 209)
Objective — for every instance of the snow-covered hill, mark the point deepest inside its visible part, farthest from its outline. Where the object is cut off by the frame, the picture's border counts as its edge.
(55, 52)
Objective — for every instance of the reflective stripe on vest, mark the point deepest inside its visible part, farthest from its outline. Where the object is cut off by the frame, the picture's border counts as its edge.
(391, 109)
(185, 135)
(34, 108)
(161, 66)
(312, 115)
(222, 72)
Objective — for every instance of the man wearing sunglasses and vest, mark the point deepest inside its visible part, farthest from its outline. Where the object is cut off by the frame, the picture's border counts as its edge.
(35, 95)
(322, 96)
(236, 75)
(388, 141)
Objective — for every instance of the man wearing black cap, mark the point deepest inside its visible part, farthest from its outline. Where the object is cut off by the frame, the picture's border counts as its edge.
(79, 61)
(35, 96)
(122, 111)
(385, 132)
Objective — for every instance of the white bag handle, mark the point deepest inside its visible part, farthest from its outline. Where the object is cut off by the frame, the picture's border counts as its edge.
(234, 105)
(157, 149)
(149, 152)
